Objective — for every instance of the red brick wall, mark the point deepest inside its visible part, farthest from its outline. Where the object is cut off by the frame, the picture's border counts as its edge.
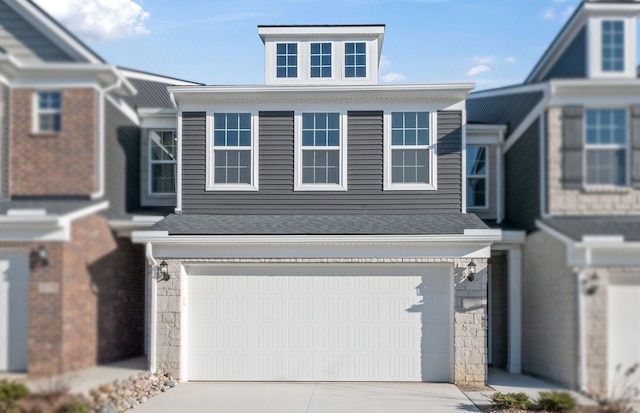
(55, 163)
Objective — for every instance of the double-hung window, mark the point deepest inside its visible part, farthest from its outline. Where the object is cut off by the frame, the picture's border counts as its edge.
(233, 153)
(355, 59)
(320, 60)
(320, 152)
(606, 147)
(162, 162)
(613, 46)
(409, 151)
(287, 60)
(48, 115)
(477, 177)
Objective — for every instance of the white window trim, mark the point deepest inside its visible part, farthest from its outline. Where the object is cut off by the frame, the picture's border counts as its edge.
(626, 147)
(298, 61)
(333, 60)
(433, 158)
(160, 162)
(37, 112)
(342, 183)
(253, 186)
(486, 179)
(595, 48)
(343, 53)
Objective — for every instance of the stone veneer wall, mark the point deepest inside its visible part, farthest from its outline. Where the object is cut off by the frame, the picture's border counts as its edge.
(470, 318)
(562, 201)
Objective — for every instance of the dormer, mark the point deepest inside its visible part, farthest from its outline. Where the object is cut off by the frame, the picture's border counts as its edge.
(322, 55)
(598, 41)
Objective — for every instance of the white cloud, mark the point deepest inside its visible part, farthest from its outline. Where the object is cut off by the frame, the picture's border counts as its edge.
(549, 14)
(384, 63)
(393, 77)
(484, 60)
(478, 69)
(99, 19)
(510, 59)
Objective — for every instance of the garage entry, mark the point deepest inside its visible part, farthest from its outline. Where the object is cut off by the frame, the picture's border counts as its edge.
(624, 324)
(14, 310)
(320, 322)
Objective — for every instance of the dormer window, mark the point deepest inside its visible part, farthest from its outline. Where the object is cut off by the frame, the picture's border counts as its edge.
(287, 60)
(613, 46)
(320, 59)
(355, 59)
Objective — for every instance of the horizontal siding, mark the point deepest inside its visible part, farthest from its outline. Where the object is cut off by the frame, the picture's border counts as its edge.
(522, 180)
(364, 176)
(23, 41)
(573, 61)
(5, 111)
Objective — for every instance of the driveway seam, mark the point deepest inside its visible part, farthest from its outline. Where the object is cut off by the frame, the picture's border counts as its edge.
(311, 398)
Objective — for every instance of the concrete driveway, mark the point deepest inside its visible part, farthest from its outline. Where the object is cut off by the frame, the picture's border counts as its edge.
(310, 398)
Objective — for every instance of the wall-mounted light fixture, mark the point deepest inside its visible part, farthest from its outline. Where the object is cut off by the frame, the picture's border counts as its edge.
(471, 269)
(591, 284)
(43, 255)
(163, 271)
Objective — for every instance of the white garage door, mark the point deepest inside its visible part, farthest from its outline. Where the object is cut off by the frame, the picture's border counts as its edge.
(14, 310)
(624, 324)
(333, 323)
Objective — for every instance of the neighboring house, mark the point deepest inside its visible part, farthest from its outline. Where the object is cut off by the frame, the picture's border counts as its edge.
(321, 230)
(564, 148)
(72, 128)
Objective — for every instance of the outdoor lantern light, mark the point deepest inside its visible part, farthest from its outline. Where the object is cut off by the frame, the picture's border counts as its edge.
(472, 271)
(592, 284)
(43, 255)
(164, 271)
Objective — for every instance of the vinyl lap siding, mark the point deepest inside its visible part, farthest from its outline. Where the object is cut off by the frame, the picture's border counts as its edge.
(364, 175)
(23, 41)
(522, 180)
(573, 61)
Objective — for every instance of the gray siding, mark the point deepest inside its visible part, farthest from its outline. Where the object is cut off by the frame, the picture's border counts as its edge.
(522, 180)
(5, 111)
(509, 109)
(26, 43)
(573, 61)
(365, 172)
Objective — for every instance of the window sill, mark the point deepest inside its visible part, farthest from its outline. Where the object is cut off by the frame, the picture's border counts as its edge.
(45, 134)
(409, 187)
(319, 187)
(234, 188)
(592, 189)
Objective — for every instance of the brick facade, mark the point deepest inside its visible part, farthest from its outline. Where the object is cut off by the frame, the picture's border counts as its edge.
(470, 314)
(87, 305)
(617, 202)
(57, 164)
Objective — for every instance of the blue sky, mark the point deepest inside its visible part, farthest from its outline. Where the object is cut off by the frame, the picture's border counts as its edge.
(489, 42)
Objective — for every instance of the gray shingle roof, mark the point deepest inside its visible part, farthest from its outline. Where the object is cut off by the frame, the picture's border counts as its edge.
(51, 206)
(509, 109)
(434, 224)
(576, 228)
(150, 94)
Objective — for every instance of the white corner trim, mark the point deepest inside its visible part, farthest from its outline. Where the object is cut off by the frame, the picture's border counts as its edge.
(81, 213)
(526, 123)
(178, 208)
(555, 234)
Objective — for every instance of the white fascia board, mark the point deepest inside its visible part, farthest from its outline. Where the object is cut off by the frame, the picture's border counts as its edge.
(159, 237)
(34, 15)
(535, 113)
(81, 213)
(594, 91)
(124, 108)
(318, 31)
(510, 90)
(485, 134)
(555, 234)
(452, 88)
(615, 8)
(125, 227)
(513, 237)
(156, 112)
(152, 77)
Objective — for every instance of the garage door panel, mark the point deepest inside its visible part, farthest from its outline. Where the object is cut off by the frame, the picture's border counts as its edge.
(314, 327)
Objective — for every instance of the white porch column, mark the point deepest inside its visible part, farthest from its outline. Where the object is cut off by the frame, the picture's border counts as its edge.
(515, 310)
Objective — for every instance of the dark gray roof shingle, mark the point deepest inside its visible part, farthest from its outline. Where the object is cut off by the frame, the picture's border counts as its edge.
(150, 95)
(575, 228)
(434, 224)
(510, 109)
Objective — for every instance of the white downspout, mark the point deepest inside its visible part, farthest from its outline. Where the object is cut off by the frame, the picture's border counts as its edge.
(101, 137)
(154, 307)
(582, 342)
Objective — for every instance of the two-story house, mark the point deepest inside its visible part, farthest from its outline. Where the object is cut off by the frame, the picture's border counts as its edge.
(74, 132)
(563, 150)
(320, 230)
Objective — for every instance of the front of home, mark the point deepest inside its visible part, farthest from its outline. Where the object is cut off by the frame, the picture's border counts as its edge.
(320, 230)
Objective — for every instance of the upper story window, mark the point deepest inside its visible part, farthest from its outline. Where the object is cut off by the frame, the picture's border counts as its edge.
(355, 59)
(162, 162)
(606, 147)
(477, 177)
(287, 60)
(233, 155)
(48, 114)
(409, 151)
(320, 153)
(320, 60)
(613, 46)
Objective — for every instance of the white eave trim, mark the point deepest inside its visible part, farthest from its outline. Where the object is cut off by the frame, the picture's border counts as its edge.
(470, 236)
(156, 112)
(152, 77)
(510, 90)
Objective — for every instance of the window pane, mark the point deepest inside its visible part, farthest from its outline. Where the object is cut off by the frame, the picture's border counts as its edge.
(606, 167)
(355, 60)
(163, 178)
(410, 128)
(612, 46)
(476, 161)
(410, 166)
(163, 145)
(476, 192)
(287, 60)
(232, 167)
(606, 126)
(320, 167)
(307, 138)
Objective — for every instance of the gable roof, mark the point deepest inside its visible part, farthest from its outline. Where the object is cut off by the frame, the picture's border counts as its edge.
(577, 228)
(152, 89)
(56, 32)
